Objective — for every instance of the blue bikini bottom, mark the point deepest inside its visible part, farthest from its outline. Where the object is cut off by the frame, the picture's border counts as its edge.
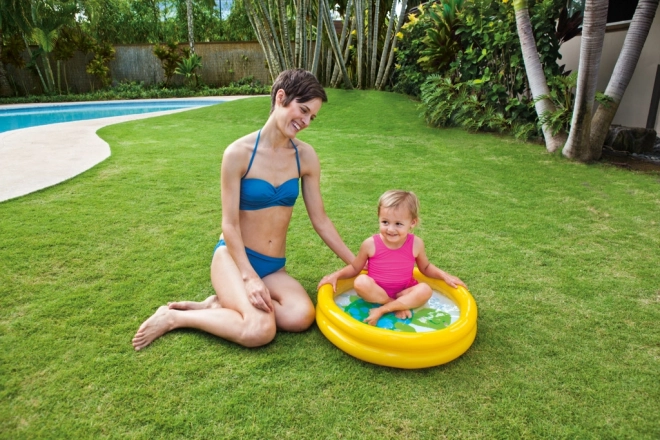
(262, 264)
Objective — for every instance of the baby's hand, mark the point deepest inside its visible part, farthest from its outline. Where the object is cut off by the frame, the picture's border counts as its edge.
(454, 281)
(329, 279)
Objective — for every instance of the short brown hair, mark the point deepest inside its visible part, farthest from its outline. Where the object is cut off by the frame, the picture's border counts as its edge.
(297, 84)
(395, 198)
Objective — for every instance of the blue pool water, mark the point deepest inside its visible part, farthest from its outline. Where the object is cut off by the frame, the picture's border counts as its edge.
(12, 119)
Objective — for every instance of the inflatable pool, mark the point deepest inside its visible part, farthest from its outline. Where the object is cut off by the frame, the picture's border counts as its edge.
(439, 332)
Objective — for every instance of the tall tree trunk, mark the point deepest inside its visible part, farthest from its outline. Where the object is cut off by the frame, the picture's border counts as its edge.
(374, 50)
(347, 49)
(386, 74)
(263, 10)
(334, 43)
(623, 71)
(386, 45)
(265, 42)
(319, 33)
(359, 13)
(191, 33)
(284, 29)
(342, 41)
(535, 75)
(593, 33)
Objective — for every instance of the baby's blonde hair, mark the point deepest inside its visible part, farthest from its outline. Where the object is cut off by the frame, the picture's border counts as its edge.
(395, 198)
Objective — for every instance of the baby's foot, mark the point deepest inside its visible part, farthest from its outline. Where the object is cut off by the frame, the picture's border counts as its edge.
(154, 327)
(403, 314)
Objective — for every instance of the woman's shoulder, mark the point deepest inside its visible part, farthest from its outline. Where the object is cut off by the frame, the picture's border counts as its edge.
(306, 152)
(243, 145)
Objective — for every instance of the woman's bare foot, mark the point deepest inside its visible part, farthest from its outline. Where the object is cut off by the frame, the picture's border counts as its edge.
(154, 327)
(403, 314)
(209, 303)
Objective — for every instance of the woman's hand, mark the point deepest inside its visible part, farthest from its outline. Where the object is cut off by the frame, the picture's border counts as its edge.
(329, 279)
(258, 295)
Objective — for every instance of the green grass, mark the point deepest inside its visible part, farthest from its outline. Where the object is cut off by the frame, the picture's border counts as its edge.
(562, 259)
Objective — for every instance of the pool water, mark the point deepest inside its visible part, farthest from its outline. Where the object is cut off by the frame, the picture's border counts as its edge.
(438, 313)
(23, 117)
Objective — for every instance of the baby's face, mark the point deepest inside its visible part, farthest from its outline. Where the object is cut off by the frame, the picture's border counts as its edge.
(395, 225)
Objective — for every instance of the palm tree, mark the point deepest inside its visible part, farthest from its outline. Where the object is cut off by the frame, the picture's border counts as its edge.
(386, 45)
(578, 145)
(623, 71)
(374, 50)
(334, 43)
(390, 60)
(191, 33)
(535, 75)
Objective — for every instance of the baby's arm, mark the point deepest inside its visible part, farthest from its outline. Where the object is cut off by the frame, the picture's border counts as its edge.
(429, 269)
(352, 269)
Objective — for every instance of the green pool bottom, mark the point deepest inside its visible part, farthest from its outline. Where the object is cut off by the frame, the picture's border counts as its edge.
(438, 313)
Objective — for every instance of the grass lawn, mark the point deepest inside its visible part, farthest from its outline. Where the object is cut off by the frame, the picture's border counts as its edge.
(562, 259)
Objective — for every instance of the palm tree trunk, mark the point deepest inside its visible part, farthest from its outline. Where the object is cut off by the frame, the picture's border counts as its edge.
(537, 82)
(402, 14)
(334, 43)
(359, 13)
(342, 40)
(261, 7)
(264, 41)
(191, 33)
(386, 46)
(286, 39)
(593, 33)
(319, 33)
(623, 70)
(374, 50)
(347, 49)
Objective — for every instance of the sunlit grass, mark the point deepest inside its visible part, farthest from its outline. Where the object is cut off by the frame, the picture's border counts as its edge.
(562, 259)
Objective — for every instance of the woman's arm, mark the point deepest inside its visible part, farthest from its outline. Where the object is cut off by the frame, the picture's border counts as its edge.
(366, 250)
(322, 224)
(429, 269)
(230, 182)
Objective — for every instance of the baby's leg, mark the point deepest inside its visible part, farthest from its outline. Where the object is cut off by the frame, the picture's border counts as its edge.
(408, 299)
(368, 290)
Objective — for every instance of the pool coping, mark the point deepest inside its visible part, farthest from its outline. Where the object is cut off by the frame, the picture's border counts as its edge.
(35, 158)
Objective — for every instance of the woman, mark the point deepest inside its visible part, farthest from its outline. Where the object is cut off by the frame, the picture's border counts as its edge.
(259, 184)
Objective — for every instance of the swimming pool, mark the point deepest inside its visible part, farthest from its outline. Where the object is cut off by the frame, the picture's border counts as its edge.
(23, 117)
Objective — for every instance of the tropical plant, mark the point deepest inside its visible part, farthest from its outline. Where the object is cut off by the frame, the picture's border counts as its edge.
(441, 43)
(169, 55)
(99, 64)
(48, 18)
(188, 68)
(14, 19)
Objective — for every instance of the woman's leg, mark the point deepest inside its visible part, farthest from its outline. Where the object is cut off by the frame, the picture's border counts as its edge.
(237, 320)
(294, 311)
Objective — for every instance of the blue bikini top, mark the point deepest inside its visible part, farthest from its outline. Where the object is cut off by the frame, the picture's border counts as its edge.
(259, 194)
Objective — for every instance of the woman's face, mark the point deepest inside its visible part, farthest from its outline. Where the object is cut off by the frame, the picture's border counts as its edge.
(296, 116)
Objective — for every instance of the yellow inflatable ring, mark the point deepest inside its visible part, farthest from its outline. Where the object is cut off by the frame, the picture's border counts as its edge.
(398, 349)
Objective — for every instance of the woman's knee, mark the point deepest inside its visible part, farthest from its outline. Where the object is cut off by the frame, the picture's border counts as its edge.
(296, 319)
(259, 330)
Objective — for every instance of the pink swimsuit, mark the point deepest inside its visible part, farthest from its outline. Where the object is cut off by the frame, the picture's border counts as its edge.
(392, 269)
